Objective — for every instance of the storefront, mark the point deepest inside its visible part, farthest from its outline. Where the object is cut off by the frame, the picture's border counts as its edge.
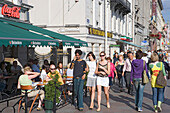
(96, 41)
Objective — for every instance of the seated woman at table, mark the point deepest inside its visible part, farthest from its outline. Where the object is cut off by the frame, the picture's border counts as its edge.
(53, 72)
(25, 80)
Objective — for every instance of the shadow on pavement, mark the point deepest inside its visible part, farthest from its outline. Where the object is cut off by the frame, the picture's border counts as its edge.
(87, 101)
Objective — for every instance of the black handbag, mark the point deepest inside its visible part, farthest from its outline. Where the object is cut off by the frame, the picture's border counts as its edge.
(160, 78)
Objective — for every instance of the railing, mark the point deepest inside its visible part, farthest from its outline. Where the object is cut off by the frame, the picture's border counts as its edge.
(10, 99)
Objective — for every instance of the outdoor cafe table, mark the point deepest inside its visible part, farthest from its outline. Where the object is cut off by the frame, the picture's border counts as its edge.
(6, 77)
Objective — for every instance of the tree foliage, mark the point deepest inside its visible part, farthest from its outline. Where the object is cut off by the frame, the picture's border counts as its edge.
(50, 89)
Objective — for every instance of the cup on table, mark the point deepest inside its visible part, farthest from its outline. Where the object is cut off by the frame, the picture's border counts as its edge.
(44, 81)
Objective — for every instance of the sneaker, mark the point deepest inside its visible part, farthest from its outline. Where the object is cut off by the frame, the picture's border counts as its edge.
(159, 109)
(156, 111)
(80, 109)
(39, 108)
(140, 109)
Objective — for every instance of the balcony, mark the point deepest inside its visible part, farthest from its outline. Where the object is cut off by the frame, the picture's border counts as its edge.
(121, 5)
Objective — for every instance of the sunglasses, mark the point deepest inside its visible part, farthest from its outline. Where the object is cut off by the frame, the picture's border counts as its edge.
(102, 55)
(52, 68)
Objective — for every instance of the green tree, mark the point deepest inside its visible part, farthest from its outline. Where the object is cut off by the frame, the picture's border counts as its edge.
(50, 89)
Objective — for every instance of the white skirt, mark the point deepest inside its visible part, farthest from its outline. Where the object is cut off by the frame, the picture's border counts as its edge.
(91, 82)
(103, 81)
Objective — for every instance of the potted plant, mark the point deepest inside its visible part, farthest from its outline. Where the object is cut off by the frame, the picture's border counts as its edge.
(50, 88)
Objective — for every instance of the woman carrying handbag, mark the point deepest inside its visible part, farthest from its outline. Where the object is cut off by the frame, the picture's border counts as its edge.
(138, 67)
(156, 68)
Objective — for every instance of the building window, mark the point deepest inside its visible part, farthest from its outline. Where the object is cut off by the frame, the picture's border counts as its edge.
(101, 15)
(97, 23)
(114, 20)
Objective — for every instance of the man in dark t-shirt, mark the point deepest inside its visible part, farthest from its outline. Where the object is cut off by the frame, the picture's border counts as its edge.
(78, 65)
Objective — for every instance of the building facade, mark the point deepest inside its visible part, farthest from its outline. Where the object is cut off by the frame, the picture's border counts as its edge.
(141, 21)
(86, 20)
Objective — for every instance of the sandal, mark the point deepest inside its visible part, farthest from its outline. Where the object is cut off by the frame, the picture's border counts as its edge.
(23, 106)
(98, 109)
(108, 105)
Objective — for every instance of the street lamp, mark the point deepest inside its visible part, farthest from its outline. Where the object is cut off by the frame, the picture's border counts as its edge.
(105, 25)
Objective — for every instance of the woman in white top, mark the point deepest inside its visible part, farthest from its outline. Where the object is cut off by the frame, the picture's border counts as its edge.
(91, 77)
(43, 74)
(60, 68)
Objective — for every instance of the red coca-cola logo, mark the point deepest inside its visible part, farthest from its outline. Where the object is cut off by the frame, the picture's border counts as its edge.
(11, 12)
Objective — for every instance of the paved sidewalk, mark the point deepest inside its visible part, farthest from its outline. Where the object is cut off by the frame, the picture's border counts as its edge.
(123, 103)
(120, 103)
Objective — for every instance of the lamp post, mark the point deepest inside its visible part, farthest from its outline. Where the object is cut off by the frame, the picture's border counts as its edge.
(105, 26)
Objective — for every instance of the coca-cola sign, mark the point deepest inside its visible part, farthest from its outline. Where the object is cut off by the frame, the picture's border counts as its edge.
(11, 12)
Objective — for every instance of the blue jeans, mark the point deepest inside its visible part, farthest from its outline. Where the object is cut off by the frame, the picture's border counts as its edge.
(139, 93)
(110, 81)
(78, 92)
(157, 95)
(163, 94)
(121, 80)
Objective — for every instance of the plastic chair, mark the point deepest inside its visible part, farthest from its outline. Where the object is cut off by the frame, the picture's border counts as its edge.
(26, 88)
(68, 82)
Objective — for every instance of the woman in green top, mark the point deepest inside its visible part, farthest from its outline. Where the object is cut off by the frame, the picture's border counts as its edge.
(155, 67)
(25, 80)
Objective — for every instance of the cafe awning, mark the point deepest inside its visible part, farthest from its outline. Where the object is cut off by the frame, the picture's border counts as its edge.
(131, 44)
(14, 36)
(66, 40)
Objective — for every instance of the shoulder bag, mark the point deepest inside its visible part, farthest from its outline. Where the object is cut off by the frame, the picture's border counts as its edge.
(160, 78)
(145, 79)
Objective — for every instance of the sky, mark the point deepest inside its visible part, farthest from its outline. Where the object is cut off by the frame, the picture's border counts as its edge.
(166, 10)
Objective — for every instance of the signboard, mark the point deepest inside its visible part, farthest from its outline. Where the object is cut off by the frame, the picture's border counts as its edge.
(158, 35)
(153, 35)
(128, 39)
(144, 43)
(11, 12)
(97, 32)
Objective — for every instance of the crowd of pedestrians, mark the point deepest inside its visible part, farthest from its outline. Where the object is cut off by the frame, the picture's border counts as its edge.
(125, 69)
(128, 69)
